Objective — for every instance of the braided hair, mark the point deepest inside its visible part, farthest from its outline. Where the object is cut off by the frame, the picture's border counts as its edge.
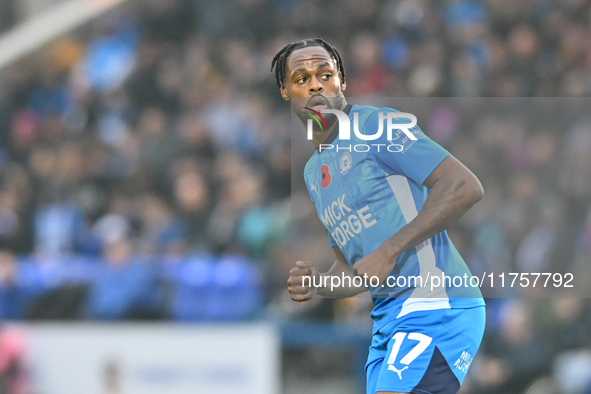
(280, 58)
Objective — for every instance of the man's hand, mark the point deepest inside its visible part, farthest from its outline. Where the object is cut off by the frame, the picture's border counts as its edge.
(297, 290)
(378, 263)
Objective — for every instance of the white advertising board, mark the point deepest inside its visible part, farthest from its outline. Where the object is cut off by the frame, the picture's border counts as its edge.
(153, 359)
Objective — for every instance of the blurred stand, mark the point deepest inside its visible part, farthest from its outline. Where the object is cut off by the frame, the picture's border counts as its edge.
(8, 15)
(145, 167)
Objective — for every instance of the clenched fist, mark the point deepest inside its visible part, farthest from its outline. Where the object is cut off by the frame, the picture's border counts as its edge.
(295, 283)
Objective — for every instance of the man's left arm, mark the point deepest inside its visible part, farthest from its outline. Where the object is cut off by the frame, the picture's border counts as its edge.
(454, 190)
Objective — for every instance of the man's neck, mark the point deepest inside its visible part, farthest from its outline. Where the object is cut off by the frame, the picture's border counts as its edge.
(318, 137)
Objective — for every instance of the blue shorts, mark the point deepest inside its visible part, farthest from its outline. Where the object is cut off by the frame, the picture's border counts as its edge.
(425, 352)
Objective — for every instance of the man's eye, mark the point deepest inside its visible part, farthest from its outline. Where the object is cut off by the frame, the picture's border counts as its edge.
(302, 80)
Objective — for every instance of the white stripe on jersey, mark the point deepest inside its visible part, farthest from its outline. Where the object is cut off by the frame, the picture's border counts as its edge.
(422, 298)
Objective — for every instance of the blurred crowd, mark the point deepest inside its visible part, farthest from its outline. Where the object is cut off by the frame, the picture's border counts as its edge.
(145, 168)
(7, 15)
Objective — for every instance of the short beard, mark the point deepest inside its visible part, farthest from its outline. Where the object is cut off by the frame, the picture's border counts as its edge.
(337, 102)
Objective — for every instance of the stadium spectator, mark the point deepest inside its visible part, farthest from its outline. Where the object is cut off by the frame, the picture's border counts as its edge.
(125, 286)
(13, 296)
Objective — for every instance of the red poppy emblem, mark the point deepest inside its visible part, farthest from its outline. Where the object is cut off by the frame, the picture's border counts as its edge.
(326, 178)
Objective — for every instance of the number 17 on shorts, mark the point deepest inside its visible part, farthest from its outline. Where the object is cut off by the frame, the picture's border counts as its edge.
(427, 352)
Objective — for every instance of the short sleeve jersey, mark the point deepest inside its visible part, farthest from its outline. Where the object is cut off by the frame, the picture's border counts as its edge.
(367, 190)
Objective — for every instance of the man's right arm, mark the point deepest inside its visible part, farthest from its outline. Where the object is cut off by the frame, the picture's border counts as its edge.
(300, 291)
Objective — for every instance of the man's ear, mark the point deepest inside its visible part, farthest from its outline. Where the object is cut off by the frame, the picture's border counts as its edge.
(343, 84)
(284, 93)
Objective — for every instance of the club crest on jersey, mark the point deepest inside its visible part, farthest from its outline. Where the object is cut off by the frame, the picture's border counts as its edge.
(345, 163)
(325, 175)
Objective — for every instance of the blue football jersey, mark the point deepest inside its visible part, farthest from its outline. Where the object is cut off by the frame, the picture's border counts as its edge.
(367, 190)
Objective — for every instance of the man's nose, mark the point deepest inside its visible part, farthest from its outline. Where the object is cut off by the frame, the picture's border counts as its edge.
(315, 86)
